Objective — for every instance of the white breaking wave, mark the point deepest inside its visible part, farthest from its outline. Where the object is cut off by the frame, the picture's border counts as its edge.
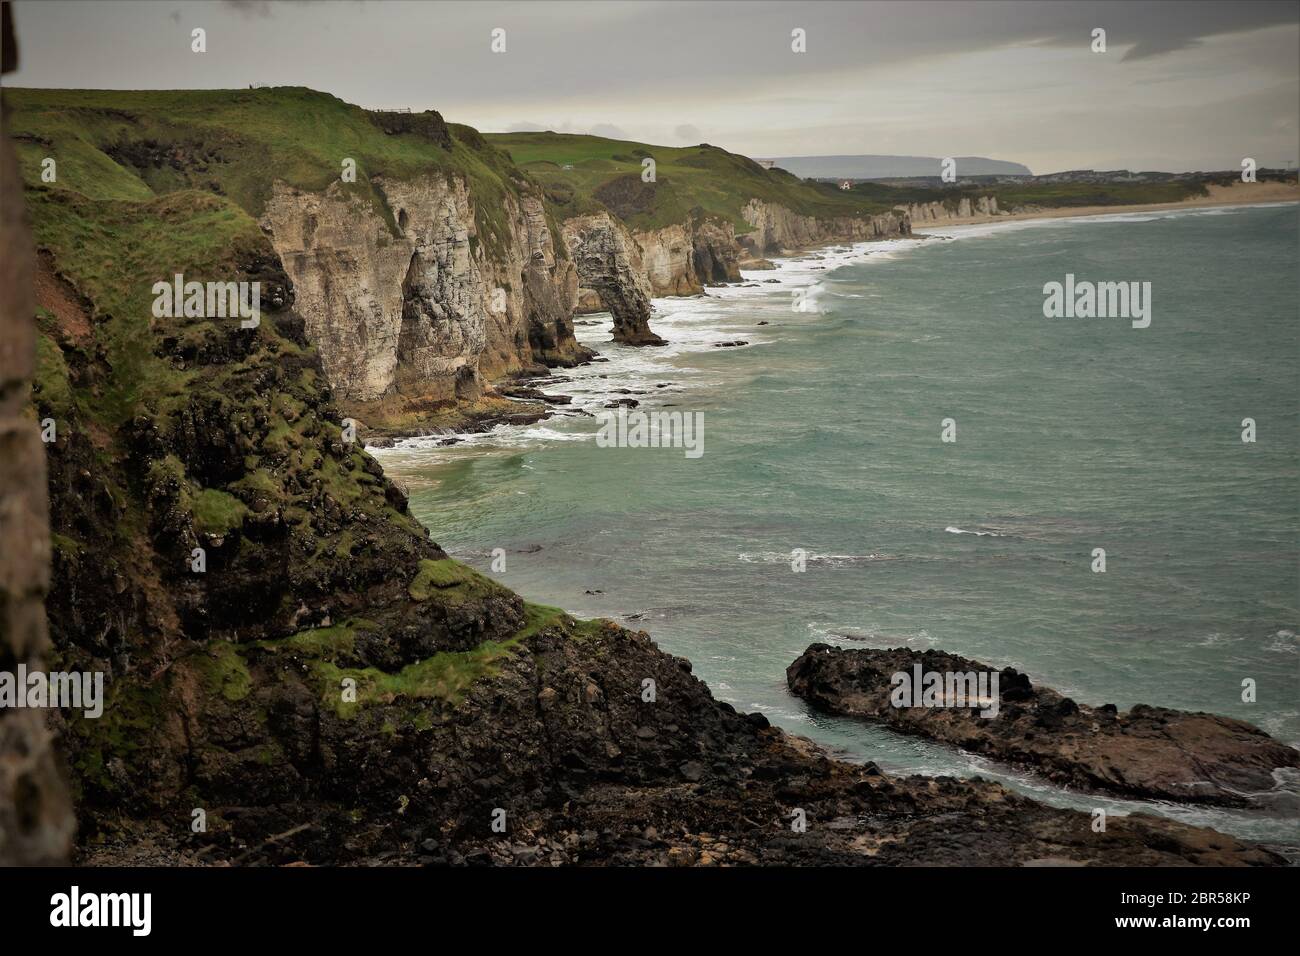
(953, 529)
(830, 560)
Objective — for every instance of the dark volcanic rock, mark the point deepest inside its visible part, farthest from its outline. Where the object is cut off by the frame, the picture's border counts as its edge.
(1149, 752)
(564, 740)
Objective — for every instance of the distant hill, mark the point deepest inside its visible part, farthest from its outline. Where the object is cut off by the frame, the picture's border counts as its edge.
(888, 167)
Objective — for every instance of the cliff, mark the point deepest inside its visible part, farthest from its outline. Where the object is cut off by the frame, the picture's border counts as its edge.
(929, 213)
(678, 220)
(425, 263)
(291, 660)
(415, 318)
(777, 228)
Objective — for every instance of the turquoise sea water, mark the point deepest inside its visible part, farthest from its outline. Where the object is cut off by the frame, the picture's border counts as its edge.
(824, 434)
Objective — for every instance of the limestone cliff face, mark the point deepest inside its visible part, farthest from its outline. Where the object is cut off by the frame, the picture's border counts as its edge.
(777, 228)
(414, 312)
(665, 256)
(715, 254)
(682, 259)
(609, 262)
(937, 212)
(530, 318)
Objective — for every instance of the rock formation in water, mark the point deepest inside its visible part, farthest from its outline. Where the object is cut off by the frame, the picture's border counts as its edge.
(609, 263)
(1148, 752)
(625, 267)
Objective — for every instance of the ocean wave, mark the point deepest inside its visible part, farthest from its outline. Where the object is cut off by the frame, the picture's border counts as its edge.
(1284, 642)
(502, 436)
(953, 529)
(829, 560)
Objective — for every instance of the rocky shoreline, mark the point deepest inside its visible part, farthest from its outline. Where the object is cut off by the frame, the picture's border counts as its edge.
(562, 745)
(1145, 752)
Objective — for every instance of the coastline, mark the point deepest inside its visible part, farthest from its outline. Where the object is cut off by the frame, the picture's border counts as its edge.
(1238, 194)
(455, 426)
(756, 287)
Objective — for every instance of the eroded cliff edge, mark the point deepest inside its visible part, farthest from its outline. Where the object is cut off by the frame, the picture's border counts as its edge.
(416, 315)
(426, 264)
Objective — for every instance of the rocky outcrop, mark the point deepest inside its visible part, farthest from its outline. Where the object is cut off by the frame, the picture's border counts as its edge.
(531, 322)
(682, 259)
(36, 823)
(776, 228)
(560, 742)
(609, 262)
(383, 302)
(428, 124)
(931, 213)
(1148, 752)
(715, 254)
(410, 311)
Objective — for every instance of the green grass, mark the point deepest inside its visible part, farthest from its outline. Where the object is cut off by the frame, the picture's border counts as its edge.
(52, 388)
(446, 677)
(216, 512)
(238, 143)
(328, 644)
(691, 182)
(699, 181)
(113, 251)
(223, 670)
(451, 582)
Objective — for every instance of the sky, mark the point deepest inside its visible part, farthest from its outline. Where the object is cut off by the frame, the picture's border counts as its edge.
(1181, 85)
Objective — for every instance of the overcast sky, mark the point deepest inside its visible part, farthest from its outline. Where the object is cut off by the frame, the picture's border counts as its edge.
(1182, 85)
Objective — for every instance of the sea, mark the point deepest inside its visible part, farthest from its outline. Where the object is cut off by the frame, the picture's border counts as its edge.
(907, 452)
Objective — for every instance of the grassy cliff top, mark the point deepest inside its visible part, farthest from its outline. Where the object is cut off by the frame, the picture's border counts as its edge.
(136, 144)
(584, 174)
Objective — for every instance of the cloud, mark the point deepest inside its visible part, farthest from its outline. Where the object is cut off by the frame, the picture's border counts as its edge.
(689, 133)
(250, 8)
